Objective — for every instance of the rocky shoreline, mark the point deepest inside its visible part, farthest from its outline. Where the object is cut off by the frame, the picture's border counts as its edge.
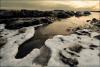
(24, 18)
(81, 48)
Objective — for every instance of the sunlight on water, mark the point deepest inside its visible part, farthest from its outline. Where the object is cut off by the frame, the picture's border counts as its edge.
(60, 27)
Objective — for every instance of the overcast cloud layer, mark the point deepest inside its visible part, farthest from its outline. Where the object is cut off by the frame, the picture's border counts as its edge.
(51, 4)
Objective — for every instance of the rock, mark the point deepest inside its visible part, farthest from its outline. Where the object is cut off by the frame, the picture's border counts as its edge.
(20, 23)
(10, 49)
(5, 14)
(71, 13)
(88, 20)
(97, 37)
(69, 61)
(95, 22)
(45, 20)
(15, 25)
(74, 50)
(77, 48)
(83, 32)
(3, 41)
(82, 13)
(93, 46)
(60, 14)
(86, 13)
(78, 14)
(22, 30)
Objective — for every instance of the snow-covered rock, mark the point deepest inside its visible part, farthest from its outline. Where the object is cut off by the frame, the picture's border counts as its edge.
(14, 39)
(78, 49)
(74, 50)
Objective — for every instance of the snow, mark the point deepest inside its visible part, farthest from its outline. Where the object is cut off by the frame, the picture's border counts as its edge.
(9, 50)
(88, 57)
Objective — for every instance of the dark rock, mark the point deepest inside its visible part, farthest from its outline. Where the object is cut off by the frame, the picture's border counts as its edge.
(62, 40)
(71, 62)
(97, 37)
(93, 46)
(60, 14)
(3, 41)
(76, 48)
(71, 13)
(14, 25)
(94, 19)
(82, 32)
(88, 20)
(7, 21)
(99, 54)
(20, 23)
(25, 22)
(95, 22)
(78, 14)
(45, 20)
(78, 28)
(86, 13)
(82, 13)
(35, 22)
(5, 14)
(0, 57)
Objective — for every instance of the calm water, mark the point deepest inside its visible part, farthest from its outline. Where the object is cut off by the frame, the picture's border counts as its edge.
(60, 27)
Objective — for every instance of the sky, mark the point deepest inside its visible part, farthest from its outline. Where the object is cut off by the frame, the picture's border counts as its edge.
(51, 4)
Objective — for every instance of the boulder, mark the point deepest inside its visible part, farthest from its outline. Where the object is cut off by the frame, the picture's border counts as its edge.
(95, 22)
(78, 13)
(82, 13)
(86, 13)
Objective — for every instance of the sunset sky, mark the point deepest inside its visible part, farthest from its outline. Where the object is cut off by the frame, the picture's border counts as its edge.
(51, 4)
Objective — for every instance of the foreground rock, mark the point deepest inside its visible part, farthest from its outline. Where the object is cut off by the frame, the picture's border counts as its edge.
(75, 50)
(9, 49)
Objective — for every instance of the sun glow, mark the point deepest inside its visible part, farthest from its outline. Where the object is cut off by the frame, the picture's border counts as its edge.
(79, 4)
(52, 4)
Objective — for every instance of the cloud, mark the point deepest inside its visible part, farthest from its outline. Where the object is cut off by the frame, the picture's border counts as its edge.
(50, 4)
